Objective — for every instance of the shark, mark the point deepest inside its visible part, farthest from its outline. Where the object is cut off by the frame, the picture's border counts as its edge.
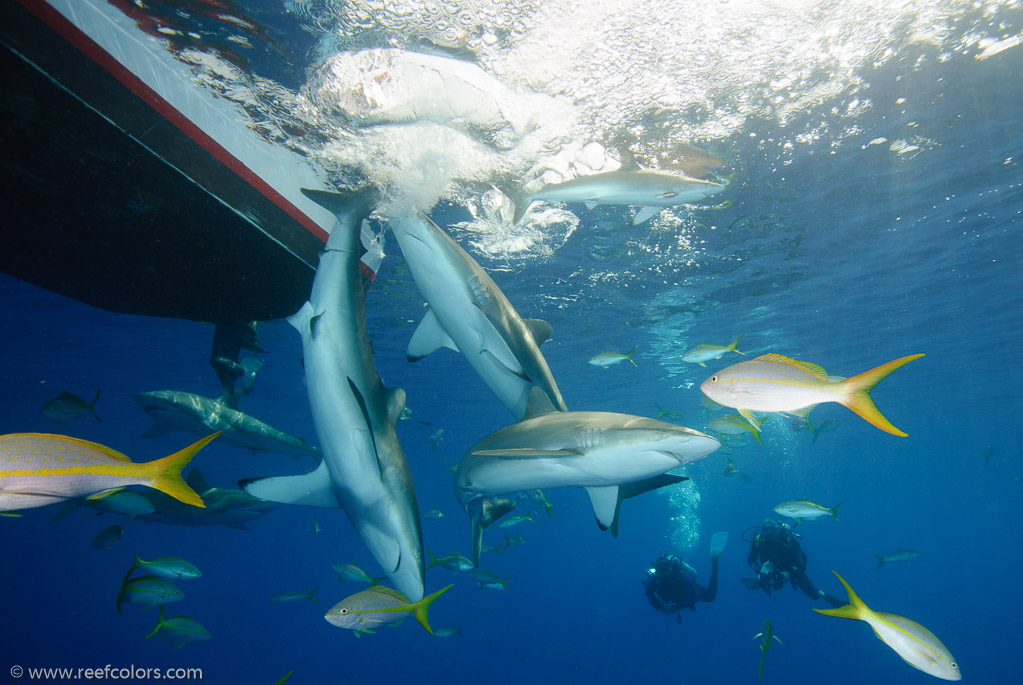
(175, 410)
(363, 470)
(650, 190)
(470, 314)
(602, 452)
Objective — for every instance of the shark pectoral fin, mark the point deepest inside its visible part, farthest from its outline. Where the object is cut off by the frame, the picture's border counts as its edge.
(300, 319)
(503, 357)
(313, 489)
(605, 504)
(538, 402)
(644, 214)
(383, 546)
(526, 453)
(157, 430)
(429, 337)
(539, 329)
(636, 488)
(477, 541)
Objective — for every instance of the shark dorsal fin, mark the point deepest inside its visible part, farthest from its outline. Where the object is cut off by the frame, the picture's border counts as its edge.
(540, 330)
(812, 369)
(538, 403)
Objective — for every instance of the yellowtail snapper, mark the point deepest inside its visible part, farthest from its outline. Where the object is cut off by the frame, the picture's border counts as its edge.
(148, 590)
(170, 568)
(804, 509)
(705, 352)
(896, 557)
(769, 639)
(108, 537)
(606, 359)
(350, 573)
(379, 606)
(37, 469)
(293, 596)
(179, 630)
(774, 383)
(917, 646)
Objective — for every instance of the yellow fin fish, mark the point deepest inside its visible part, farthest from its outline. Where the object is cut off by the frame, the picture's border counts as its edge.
(37, 469)
(917, 646)
(774, 383)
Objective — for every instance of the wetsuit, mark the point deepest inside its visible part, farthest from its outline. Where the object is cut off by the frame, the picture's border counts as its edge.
(777, 548)
(671, 585)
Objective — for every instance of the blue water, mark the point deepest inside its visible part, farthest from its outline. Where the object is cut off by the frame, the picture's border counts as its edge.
(840, 253)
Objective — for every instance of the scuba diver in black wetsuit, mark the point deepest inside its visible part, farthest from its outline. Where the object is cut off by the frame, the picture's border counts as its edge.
(671, 585)
(777, 558)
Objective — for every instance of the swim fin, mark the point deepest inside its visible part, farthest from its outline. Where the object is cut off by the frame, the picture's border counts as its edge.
(717, 544)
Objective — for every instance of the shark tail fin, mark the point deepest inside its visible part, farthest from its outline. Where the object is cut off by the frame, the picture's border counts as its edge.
(856, 394)
(165, 474)
(92, 406)
(855, 609)
(423, 606)
(159, 624)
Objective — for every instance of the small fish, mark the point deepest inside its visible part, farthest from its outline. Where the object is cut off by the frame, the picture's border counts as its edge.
(769, 639)
(67, 406)
(987, 454)
(898, 556)
(732, 424)
(917, 646)
(293, 596)
(108, 537)
(513, 541)
(314, 527)
(37, 469)
(669, 414)
(451, 468)
(827, 425)
(452, 562)
(434, 515)
(437, 438)
(705, 352)
(804, 510)
(448, 631)
(514, 521)
(710, 405)
(488, 580)
(350, 573)
(179, 630)
(539, 499)
(773, 383)
(730, 468)
(378, 606)
(285, 677)
(491, 548)
(170, 568)
(606, 359)
(406, 415)
(126, 502)
(148, 590)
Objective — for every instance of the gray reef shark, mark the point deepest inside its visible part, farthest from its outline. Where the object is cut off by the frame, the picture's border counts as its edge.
(469, 314)
(173, 410)
(600, 451)
(363, 469)
(651, 190)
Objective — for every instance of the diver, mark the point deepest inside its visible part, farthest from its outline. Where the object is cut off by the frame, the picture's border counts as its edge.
(778, 559)
(671, 583)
